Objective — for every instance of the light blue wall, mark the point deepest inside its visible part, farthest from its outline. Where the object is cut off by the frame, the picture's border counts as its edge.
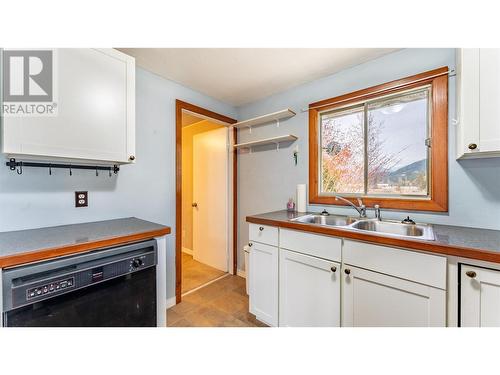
(145, 190)
(268, 178)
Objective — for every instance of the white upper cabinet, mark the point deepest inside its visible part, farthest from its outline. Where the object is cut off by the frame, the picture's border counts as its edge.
(95, 121)
(478, 95)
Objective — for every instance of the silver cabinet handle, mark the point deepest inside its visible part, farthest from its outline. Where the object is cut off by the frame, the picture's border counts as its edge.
(333, 268)
(347, 271)
(261, 228)
(250, 244)
(471, 274)
(194, 204)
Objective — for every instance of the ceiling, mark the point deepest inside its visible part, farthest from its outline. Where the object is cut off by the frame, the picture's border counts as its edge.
(239, 76)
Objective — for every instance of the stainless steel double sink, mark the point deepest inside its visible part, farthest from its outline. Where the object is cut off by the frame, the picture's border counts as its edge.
(389, 228)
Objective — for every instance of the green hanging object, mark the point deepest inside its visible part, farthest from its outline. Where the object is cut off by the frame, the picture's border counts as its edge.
(295, 156)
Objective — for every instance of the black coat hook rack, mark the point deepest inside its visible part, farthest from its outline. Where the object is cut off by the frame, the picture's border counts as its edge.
(18, 166)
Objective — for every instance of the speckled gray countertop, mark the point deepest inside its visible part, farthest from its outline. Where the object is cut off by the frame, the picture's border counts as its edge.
(482, 244)
(67, 239)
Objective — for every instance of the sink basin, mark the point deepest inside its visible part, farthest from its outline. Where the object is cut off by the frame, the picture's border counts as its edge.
(394, 228)
(383, 227)
(332, 220)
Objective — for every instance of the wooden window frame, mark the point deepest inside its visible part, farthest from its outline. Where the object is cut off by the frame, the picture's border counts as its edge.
(438, 197)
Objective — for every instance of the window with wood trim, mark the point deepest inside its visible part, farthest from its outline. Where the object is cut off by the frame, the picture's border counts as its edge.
(387, 144)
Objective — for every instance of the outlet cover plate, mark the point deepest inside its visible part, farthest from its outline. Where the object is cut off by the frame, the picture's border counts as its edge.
(81, 198)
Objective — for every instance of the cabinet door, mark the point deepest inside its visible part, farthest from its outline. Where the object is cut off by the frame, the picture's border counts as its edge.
(467, 101)
(264, 282)
(480, 297)
(489, 98)
(372, 299)
(95, 98)
(309, 291)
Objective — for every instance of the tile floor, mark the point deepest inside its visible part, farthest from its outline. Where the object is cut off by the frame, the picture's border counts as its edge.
(195, 274)
(223, 303)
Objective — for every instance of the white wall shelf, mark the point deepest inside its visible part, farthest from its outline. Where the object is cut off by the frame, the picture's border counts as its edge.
(267, 141)
(261, 120)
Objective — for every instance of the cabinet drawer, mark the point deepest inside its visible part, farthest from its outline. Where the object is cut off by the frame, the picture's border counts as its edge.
(263, 234)
(422, 268)
(325, 247)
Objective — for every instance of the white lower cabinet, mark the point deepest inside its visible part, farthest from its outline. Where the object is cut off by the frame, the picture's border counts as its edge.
(372, 299)
(300, 279)
(479, 297)
(264, 282)
(309, 291)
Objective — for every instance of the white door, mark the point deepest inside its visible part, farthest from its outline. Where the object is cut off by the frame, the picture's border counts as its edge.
(489, 97)
(309, 291)
(95, 97)
(264, 282)
(372, 299)
(210, 198)
(480, 297)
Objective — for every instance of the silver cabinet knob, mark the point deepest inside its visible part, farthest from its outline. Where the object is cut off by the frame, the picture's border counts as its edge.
(250, 244)
(347, 271)
(194, 204)
(131, 157)
(471, 274)
(333, 269)
(261, 228)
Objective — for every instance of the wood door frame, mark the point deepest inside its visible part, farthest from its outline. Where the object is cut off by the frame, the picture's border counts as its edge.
(179, 107)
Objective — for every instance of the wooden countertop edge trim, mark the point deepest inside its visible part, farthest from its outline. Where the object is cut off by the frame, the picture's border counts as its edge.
(44, 254)
(431, 247)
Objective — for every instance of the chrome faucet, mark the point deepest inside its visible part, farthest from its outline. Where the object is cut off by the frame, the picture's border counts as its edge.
(361, 209)
(378, 214)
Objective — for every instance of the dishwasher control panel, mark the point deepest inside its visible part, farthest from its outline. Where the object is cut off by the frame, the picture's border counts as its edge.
(50, 288)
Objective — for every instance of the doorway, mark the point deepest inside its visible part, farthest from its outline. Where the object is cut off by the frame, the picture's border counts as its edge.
(206, 198)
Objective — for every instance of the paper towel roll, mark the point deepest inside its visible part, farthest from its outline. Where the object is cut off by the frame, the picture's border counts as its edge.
(301, 198)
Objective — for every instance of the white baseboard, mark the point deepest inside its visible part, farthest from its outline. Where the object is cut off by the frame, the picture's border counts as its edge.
(187, 251)
(170, 302)
(241, 273)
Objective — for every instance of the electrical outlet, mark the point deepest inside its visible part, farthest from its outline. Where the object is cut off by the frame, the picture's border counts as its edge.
(81, 199)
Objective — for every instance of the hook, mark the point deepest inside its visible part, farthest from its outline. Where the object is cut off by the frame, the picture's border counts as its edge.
(70, 171)
(19, 170)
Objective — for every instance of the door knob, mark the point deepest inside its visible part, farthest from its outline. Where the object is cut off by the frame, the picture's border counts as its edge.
(194, 204)
(472, 146)
(347, 271)
(471, 274)
(333, 269)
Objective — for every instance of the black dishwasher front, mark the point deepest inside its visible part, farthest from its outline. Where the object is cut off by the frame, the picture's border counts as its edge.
(109, 288)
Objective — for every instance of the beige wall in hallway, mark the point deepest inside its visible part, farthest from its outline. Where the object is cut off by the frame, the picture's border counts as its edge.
(187, 177)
